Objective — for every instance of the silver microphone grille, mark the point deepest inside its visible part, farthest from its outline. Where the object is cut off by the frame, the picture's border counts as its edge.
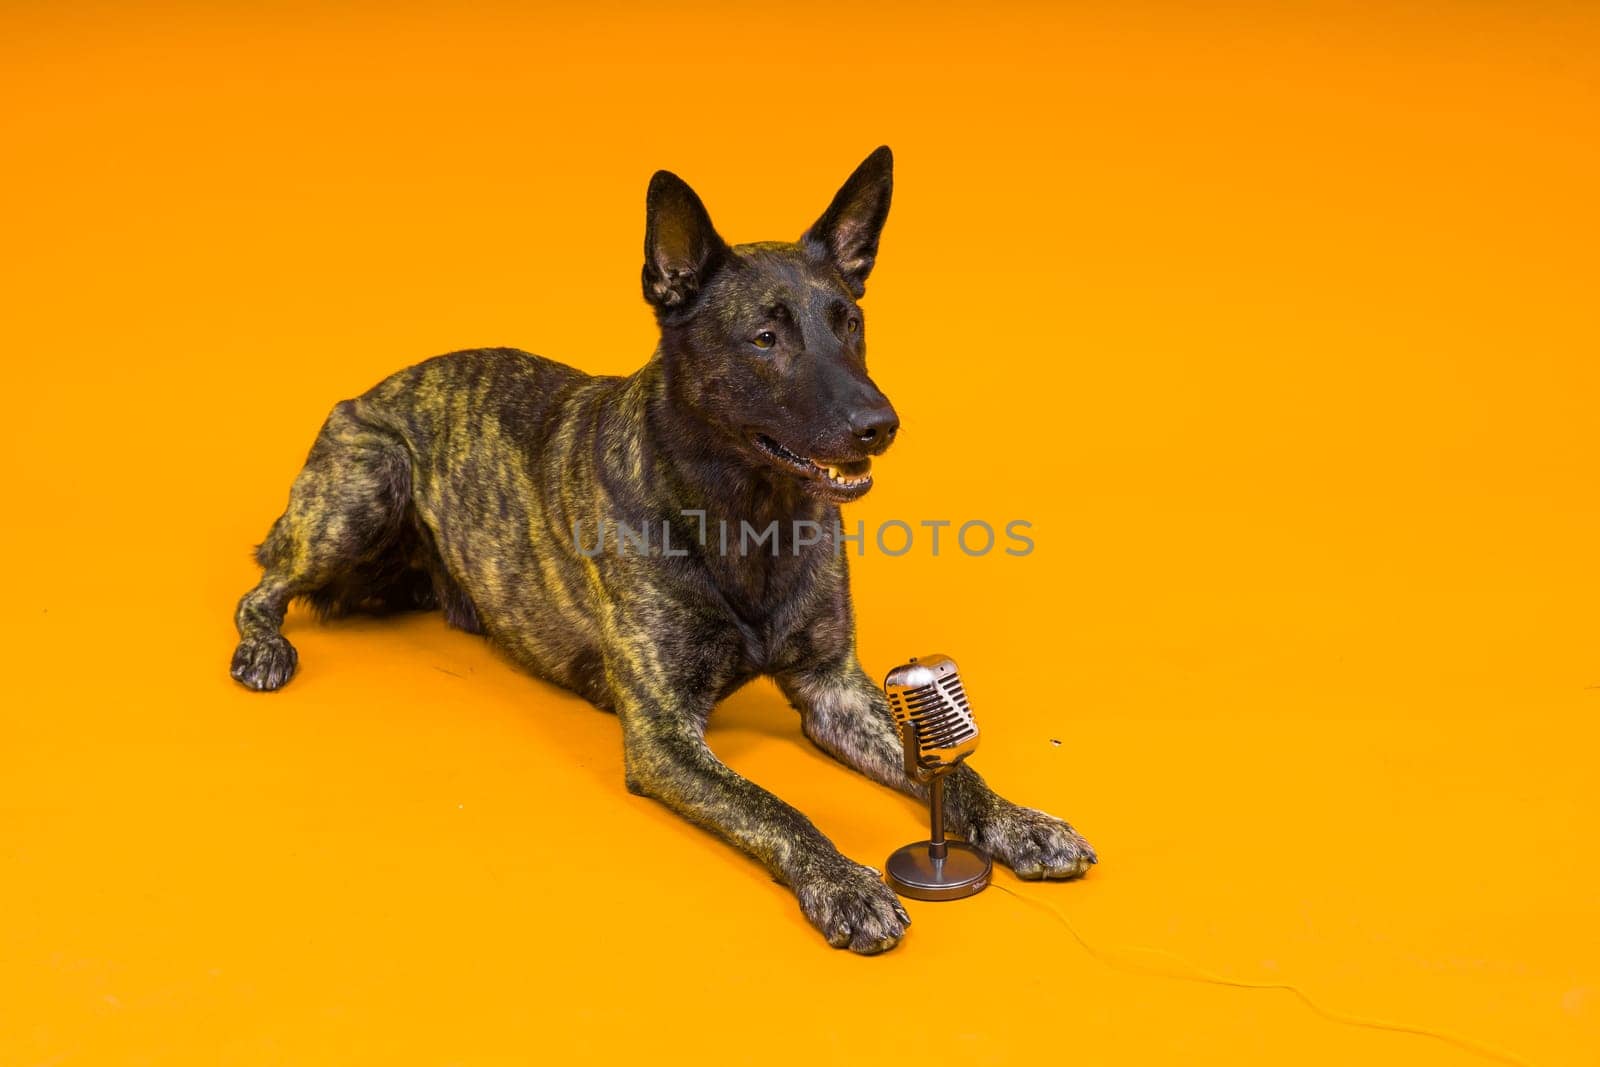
(926, 695)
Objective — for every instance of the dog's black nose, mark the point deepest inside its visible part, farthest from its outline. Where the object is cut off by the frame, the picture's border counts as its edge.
(874, 425)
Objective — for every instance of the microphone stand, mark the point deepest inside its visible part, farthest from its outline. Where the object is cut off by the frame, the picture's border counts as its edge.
(935, 869)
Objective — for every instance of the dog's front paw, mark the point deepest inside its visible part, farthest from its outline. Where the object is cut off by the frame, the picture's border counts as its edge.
(1033, 844)
(264, 663)
(853, 909)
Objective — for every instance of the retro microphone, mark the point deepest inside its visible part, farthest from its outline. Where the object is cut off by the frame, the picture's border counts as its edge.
(937, 731)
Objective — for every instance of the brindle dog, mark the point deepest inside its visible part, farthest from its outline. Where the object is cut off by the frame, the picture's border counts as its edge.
(476, 482)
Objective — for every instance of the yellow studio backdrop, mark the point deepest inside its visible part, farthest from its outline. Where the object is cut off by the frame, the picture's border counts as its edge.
(1277, 322)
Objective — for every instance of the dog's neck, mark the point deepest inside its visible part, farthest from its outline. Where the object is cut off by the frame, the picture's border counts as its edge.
(693, 467)
(701, 467)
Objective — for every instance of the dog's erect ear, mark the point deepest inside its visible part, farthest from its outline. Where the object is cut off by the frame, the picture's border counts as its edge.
(681, 248)
(847, 233)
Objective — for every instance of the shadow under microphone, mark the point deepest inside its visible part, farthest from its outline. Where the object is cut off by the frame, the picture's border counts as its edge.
(937, 731)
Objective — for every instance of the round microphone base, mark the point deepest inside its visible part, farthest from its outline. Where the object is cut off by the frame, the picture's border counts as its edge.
(913, 872)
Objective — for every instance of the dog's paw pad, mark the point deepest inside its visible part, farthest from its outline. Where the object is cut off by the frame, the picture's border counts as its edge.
(264, 663)
(1035, 845)
(854, 910)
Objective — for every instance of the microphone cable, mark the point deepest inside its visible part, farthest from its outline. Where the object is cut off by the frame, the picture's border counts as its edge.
(1200, 974)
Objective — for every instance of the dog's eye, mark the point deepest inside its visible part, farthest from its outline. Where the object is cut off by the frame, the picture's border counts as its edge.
(764, 339)
(852, 324)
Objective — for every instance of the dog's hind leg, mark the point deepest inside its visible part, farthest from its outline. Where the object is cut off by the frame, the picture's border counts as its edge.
(346, 513)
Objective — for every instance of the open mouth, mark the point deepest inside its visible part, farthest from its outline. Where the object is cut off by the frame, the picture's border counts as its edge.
(843, 477)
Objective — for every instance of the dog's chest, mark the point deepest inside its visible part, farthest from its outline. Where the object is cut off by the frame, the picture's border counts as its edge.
(767, 600)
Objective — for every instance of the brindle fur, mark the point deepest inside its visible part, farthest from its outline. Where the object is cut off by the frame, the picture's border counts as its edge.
(456, 484)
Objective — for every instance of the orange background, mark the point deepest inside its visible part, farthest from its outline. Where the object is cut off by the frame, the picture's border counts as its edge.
(1277, 321)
